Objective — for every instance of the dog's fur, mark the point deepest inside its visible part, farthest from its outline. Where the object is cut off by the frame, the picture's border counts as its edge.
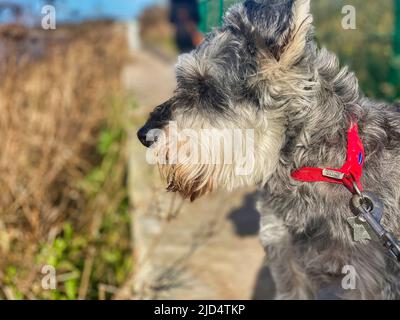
(262, 70)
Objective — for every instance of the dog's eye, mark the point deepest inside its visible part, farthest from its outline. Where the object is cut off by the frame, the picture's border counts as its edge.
(202, 86)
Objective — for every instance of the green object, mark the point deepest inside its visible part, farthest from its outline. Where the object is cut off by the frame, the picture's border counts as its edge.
(212, 13)
(203, 15)
(395, 63)
(221, 12)
(396, 44)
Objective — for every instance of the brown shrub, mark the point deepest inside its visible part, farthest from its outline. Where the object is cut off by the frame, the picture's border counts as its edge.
(51, 109)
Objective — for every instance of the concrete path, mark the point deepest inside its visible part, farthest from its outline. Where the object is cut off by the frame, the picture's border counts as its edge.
(208, 249)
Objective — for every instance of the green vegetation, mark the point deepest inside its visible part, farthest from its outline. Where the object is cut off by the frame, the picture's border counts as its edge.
(368, 49)
(63, 194)
(92, 261)
(99, 254)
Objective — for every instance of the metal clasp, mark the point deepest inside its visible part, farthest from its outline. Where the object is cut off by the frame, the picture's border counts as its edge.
(368, 210)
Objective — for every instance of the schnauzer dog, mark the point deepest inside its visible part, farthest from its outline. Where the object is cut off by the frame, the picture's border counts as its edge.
(263, 70)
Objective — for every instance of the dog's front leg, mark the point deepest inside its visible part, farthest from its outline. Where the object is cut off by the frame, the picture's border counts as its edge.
(291, 280)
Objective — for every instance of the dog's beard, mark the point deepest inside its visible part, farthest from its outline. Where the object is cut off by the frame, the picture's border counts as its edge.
(191, 181)
(226, 158)
(182, 172)
(194, 166)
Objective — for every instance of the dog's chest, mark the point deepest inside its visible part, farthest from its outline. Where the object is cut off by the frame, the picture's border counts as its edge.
(310, 215)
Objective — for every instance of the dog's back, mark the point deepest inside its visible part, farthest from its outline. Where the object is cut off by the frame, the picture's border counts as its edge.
(304, 226)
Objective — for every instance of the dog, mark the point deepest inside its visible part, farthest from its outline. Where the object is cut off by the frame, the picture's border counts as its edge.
(263, 70)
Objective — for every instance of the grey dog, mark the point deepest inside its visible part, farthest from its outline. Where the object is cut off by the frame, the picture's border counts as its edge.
(263, 70)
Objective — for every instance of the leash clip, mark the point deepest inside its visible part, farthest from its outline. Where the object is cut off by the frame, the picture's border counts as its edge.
(368, 210)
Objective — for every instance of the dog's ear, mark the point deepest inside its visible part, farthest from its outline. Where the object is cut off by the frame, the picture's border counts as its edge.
(300, 30)
(280, 27)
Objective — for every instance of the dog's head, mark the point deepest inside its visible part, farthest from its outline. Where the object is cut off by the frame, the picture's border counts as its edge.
(225, 124)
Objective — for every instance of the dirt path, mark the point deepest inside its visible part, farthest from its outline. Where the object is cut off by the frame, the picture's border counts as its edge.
(208, 249)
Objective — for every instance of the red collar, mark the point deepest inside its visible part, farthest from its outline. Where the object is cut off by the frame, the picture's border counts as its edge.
(348, 175)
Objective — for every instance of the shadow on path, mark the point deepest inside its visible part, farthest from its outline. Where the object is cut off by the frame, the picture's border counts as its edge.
(245, 220)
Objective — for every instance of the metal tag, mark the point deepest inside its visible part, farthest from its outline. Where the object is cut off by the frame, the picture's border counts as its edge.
(333, 174)
(361, 230)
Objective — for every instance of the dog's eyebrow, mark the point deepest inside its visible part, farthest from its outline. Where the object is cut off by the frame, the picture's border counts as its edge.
(204, 91)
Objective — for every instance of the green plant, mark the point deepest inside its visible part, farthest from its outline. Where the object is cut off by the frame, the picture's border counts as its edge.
(98, 253)
(63, 198)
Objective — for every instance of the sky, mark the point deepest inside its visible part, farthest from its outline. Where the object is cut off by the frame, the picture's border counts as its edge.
(77, 10)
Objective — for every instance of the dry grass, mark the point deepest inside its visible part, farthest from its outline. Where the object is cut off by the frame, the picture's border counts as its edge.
(52, 109)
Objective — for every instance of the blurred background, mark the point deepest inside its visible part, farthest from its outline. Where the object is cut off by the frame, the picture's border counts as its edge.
(76, 192)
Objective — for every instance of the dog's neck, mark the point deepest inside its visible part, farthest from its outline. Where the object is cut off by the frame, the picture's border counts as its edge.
(317, 123)
(329, 106)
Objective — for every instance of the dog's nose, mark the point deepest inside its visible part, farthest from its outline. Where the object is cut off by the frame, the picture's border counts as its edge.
(143, 138)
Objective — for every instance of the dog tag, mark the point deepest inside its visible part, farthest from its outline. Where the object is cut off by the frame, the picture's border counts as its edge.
(361, 230)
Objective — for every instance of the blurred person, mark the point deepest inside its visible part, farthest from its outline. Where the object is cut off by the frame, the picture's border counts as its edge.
(185, 16)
